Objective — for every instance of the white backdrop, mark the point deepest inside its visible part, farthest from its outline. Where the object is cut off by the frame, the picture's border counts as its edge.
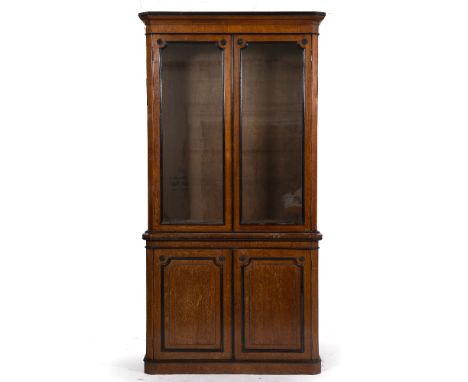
(393, 188)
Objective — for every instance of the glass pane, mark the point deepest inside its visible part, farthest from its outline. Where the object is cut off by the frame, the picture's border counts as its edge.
(192, 133)
(272, 125)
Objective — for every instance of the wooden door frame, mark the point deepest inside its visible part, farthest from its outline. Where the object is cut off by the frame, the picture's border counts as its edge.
(155, 42)
(309, 155)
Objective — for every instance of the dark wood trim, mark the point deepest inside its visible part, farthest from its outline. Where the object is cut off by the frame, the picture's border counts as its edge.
(154, 235)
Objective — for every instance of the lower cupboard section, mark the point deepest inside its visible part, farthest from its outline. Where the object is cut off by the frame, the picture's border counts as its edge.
(214, 307)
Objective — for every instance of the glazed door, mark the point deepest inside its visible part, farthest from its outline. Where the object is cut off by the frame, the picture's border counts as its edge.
(190, 304)
(190, 133)
(273, 139)
(272, 304)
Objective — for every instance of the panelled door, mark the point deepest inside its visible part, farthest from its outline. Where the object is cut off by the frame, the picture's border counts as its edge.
(274, 314)
(273, 141)
(273, 304)
(190, 132)
(191, 305)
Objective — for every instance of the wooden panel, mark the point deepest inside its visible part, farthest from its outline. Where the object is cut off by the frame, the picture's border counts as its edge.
(273, 309)
(192, 305)
(193, 309)
(272, 304)
(193, 212)
(287, 219)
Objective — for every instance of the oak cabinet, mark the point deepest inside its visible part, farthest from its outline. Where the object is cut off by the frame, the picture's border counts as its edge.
(232, 242)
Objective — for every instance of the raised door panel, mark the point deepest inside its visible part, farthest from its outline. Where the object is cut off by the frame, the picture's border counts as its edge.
(190, 138)
(193, 309)
(272, 304)
(272, 140)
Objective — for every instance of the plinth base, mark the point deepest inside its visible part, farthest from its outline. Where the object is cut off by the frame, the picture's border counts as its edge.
(231, 367)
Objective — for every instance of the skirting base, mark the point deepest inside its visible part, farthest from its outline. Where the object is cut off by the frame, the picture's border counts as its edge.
(231, 367)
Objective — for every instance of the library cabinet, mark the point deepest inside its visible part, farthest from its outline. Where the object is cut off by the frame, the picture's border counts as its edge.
(232, 240)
